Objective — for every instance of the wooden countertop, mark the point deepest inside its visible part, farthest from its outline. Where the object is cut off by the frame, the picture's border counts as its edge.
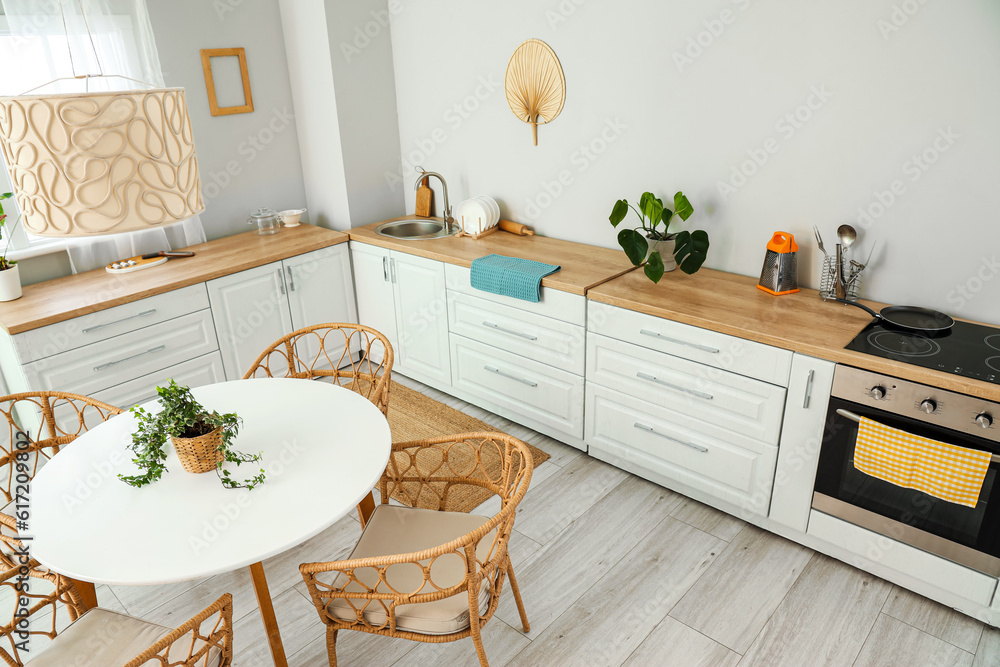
(583, 266)
(800, 322)
(65, 298)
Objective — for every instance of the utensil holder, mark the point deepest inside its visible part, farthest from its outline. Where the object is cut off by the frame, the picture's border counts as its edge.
(828, 280)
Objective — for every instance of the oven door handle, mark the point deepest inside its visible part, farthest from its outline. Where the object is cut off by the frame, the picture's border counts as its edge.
(995, 458)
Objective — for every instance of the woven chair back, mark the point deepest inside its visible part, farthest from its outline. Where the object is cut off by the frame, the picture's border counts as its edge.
(353, 355)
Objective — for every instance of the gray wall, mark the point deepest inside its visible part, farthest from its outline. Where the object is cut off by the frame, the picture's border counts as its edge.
(668, 96)
(246, 160)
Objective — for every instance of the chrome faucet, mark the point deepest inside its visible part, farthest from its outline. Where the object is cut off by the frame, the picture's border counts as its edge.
(448, 219)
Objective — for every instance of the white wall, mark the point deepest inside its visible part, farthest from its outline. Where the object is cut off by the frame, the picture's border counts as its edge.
(246, 160)
(637, 118)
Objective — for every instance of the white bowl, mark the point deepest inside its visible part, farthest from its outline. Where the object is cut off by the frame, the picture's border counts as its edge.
(290, 218)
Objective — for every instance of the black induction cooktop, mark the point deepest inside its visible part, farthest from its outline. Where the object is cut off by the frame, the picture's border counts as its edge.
(970, 350)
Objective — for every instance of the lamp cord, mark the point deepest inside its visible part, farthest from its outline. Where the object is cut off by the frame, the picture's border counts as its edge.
(69, 46)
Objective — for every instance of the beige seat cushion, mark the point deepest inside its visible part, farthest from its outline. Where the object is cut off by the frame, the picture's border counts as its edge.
(399, 530)
(101, 638)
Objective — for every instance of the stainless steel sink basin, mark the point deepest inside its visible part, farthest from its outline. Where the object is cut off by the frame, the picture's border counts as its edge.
(416, 229)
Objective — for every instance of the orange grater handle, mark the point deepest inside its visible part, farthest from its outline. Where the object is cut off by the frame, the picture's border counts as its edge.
(783, 243)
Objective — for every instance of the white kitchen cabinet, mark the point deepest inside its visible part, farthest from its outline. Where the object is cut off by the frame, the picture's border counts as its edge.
(808, 397)
(251, 311)
(256, 307)
(697, 411)
(404, 297)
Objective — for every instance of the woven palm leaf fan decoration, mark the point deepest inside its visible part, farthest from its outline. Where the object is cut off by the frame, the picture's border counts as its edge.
(535, 84)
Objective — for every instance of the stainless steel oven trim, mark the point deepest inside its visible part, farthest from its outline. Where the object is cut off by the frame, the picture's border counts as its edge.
(906, 534)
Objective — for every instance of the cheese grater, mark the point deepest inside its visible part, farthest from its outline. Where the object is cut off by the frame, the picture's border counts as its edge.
(779, 275)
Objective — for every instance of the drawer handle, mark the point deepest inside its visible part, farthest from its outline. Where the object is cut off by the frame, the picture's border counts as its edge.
(693, 392)
(648, 429)
(509, 331)
(124, 319)
(134, 356)
(703, 348)
(511, 377)
(809, 390)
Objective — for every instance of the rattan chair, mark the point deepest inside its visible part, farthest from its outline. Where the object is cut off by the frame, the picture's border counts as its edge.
(38, 424)
(306, 354)
(429, 575)
(99, 637)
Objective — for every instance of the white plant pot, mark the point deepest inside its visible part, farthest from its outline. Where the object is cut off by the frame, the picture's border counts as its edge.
(666, 249)
(10, 284)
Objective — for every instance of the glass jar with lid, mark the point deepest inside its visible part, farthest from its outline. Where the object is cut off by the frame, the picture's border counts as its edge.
(267, 221)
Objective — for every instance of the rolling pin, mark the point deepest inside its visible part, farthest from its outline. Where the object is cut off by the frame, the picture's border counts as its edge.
(425, 199)
(515, 228)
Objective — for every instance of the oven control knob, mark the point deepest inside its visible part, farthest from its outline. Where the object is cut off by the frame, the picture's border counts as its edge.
(877, 392)
(984, 419)
(928, 405)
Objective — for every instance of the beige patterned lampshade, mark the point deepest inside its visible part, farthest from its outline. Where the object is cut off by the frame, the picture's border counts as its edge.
(100, 163)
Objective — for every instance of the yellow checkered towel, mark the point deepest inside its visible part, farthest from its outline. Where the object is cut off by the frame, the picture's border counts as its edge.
(938, 469)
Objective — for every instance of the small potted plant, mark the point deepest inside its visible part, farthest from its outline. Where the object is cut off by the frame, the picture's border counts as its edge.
(202, 439)
(10, 279)
(685, 249)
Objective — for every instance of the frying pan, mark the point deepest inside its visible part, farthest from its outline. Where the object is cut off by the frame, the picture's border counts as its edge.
(910, 318)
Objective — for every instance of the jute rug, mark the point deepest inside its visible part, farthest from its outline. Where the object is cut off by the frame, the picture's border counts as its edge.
(414, 416)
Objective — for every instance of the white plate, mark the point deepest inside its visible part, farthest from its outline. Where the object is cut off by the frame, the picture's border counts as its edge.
(474, 216)
(492, 207)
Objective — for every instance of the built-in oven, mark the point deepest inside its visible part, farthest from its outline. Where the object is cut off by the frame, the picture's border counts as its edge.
(966, 535)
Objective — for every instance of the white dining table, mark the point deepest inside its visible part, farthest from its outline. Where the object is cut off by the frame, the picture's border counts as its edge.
(324, 448)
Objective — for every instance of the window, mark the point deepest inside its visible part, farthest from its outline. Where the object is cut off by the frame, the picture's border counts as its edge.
(38, 58)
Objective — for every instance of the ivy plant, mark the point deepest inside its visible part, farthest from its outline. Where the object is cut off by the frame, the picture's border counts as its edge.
(690, 248)
(183, 416)
(4, 262)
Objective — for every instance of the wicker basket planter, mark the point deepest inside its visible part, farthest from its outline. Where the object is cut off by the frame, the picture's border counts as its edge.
(200, 454)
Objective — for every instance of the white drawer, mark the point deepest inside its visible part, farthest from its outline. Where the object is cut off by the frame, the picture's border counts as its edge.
(671, 445)
(745, 357)
(206, 369)
(120, 359)
(559, 305)
(725, 402)
(86, 329)
(543, 393)
(536, 337)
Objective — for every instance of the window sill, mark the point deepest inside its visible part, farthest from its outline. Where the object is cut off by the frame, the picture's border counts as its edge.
(37, 251)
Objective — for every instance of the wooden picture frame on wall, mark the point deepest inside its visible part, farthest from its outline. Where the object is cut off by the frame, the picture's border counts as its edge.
(206, 66)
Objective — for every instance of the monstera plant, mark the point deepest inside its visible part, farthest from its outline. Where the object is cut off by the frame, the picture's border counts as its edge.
(687, 250)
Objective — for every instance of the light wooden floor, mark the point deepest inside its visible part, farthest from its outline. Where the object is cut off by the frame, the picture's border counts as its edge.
(617, 571)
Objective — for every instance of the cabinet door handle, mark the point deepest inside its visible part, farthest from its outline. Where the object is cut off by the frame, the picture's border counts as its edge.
(809, 389)
(392, 268)
(510, 377)
(385, 269)
(703, 348)
(124, 319)
(134, 356)
(649, 429)
(509, 331)
(281, 282)
(693, 392)
(291, 278)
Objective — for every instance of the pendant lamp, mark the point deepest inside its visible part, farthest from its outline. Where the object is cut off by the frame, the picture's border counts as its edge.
(88, 164)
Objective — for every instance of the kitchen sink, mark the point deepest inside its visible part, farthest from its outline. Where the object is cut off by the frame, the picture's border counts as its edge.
(416, 229)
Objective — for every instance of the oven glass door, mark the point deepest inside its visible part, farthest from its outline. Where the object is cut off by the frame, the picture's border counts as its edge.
(911, 512)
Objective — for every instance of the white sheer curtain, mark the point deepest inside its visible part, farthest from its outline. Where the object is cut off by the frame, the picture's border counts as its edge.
(64, 38)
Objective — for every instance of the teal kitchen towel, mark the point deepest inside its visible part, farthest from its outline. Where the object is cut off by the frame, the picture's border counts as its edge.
(510, 276)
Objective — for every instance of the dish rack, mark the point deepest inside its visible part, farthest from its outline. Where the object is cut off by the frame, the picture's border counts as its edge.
(828, 279)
